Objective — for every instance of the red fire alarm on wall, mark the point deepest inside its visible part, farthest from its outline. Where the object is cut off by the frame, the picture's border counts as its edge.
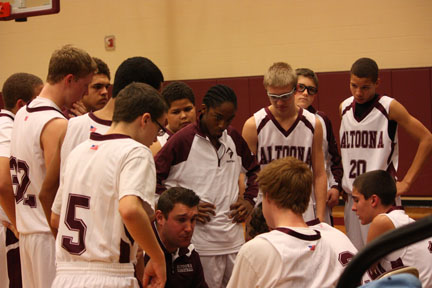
(5, 9)
(110, 42)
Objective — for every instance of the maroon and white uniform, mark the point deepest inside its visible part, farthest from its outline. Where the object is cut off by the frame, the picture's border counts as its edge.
(292, 257)
(418, 255)
(190, 160)
(28, 172)
(367, 143)
(274, 142)
(79, 129)
(92, 239)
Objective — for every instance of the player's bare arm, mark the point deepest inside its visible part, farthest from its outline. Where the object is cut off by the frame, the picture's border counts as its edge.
(55, 220)
(56, 128)
(7, 198)
(250, 135)
(379, 225)
(320, 177)
(138, 224)
(419, 133)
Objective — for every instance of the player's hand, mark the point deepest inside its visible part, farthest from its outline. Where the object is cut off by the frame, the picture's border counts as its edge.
(11, 227)
(204, 211)
(344, 196)
(154, 275)
(78, 108)
(332, 197)
(402, 188)
(240, 210)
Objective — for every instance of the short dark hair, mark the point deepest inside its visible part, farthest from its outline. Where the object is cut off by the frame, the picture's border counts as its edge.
(308, 73)
(257, 222)
(174, 195)
(365, 68)
(137, 69)
(19, 86)
(378, 182)
(102, 68)
(287, 182)
(219, 94)
(69, 60)
(135, 100)
(177, 91)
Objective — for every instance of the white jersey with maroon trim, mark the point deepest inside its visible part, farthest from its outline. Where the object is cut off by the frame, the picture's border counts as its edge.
(6, 124)
(274, 142)
(79, 129)
(28, 163)
(304, 257)
(369, 143)
(97, 174)
(418, 255)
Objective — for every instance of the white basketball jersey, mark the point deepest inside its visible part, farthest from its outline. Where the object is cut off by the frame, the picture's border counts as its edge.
(97, 174)
(369, 143)
(274, 142)
(79, 129)
(309, 257)
(6, 124)
(418, 255)
(28, 164)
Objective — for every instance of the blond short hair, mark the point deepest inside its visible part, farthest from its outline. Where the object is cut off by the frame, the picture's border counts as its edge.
(280, 74)
(288, 183)
(70, 60)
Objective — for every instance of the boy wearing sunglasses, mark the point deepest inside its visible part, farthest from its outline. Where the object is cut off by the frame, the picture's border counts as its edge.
(307, 89)
(283, 129)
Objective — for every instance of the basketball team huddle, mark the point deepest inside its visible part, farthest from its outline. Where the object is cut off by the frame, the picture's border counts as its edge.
(144, 189)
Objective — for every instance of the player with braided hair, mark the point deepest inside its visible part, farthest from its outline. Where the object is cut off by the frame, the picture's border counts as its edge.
(208, 157)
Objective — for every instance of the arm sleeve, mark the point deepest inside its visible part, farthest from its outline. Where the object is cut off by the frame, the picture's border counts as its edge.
(335, 158)
(138, 177)
(250, 166)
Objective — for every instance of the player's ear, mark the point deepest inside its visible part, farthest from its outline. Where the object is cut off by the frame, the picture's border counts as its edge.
(20, 103)
(203, 108)
(375, 200)
(160, 219)
(145, 119)
(68, 78)
(377, 83)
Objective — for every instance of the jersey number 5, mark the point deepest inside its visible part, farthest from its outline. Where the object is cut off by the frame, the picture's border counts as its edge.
(19, 167)
(75, 224)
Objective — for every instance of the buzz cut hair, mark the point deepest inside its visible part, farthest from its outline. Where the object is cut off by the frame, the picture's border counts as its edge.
(279, 75)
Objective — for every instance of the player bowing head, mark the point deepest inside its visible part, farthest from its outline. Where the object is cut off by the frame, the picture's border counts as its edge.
(141, 104)
(218, 110)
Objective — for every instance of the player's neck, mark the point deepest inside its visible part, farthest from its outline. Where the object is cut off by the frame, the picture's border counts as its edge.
(106, 113)
(287, 218)
(285, 117)
(55, 93)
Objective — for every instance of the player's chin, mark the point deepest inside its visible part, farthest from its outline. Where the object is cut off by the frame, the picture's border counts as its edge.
(184, 124)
